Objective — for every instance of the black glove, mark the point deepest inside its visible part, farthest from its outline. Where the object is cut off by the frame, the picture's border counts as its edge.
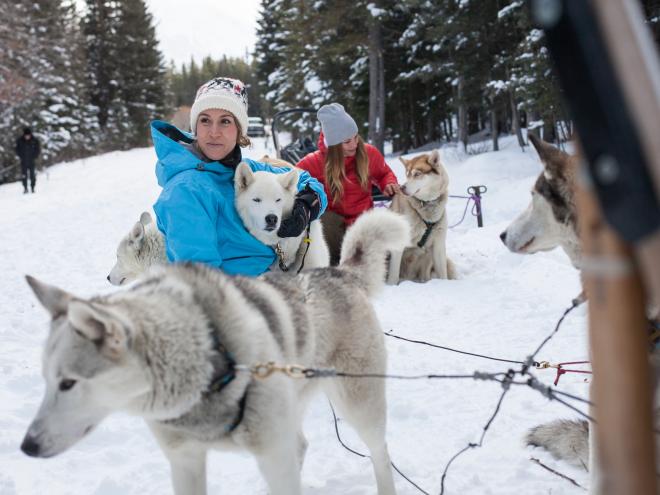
(306, 208)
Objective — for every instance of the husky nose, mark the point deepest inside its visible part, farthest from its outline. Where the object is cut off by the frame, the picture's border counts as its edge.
(30, 446)
(271, 220)
(503, 237)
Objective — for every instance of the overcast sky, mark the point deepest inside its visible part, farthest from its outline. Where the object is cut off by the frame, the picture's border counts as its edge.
(197, 28)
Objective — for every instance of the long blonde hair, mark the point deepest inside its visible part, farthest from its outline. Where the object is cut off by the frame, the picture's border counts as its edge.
(335, 172)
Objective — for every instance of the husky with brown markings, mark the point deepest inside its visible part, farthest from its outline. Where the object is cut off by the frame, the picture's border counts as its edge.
(423, 202)
(550, 220)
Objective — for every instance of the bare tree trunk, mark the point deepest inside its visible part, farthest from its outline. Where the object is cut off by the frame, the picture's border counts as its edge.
(462, 116)
(515, 119)
(376, 85)
(550, 130)
(494, 131)
(432, 132)
(533, 117)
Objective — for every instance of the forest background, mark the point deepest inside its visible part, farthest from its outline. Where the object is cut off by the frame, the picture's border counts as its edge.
(89, 80)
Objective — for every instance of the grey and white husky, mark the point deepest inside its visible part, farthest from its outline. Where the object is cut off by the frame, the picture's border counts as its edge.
(262, 200)
(177, 349)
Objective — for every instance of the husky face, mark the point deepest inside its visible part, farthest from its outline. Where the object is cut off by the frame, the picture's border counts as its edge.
(549, 221)
(80, 366)
(131, 258)
(426, 178)
(535, 229)
(263, 199)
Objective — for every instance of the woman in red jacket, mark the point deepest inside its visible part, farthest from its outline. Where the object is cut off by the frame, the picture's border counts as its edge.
(347, 167)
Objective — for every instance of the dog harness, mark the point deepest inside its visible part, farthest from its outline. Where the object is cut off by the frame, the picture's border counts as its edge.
(427, 232)
(429, 225)
(221, 379)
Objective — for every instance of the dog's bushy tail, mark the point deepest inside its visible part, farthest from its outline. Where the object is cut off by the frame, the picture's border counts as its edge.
(566, 440)
(367, 242)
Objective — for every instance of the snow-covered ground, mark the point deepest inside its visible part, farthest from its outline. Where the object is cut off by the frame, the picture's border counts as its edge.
(504, 305)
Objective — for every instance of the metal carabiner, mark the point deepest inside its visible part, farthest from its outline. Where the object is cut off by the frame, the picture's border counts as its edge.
(263, 370)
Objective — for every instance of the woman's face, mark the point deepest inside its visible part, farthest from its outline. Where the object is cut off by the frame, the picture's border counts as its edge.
(349, 147)
(217, 133)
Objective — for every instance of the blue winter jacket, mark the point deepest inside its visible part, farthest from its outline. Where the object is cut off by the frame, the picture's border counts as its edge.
(195, 210)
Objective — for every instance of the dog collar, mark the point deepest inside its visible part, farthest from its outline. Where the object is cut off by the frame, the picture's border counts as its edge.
(424, 204)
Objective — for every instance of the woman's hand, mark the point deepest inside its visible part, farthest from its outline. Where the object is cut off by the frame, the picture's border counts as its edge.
(306, 208)
(391, 189)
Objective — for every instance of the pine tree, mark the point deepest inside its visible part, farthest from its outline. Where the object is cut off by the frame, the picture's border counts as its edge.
(64, 118)
(45, 58)
(141, 72)
(100, 30)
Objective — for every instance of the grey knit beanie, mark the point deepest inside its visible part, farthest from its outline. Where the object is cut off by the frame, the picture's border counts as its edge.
(336, 124)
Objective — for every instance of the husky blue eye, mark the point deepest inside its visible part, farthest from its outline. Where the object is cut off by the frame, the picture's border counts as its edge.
(67, 384)
(256, 200)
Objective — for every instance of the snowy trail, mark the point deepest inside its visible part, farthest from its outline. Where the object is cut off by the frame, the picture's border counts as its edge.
(504, 305)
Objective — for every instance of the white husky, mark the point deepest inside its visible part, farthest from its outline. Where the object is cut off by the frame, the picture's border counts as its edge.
(141, 248)
(144, 245)
(181, 349)
(262, 200)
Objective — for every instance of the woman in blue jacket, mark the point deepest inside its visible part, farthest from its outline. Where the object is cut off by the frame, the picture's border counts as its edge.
(195, 210)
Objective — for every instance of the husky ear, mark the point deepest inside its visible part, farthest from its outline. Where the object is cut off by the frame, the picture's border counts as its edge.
(434, 159)
(553, 159)
(55, 300)
(100, 326)
(145, 218)
(136, 235)
(243, 177)
(289, 180)
(404, 161)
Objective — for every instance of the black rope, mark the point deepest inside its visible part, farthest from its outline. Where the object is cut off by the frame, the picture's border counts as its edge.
(308, 241)
(334, 415)
(477, 375)
(530, 359)
(505, 385)
(548, 391)
(453, 350)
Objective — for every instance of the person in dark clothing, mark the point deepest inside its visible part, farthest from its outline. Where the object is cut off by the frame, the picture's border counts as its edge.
(27, 149)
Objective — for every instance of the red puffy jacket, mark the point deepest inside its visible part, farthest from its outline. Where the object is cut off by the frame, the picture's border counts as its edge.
(355, 200)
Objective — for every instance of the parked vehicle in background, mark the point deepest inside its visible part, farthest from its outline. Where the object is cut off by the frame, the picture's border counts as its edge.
(255, 127)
